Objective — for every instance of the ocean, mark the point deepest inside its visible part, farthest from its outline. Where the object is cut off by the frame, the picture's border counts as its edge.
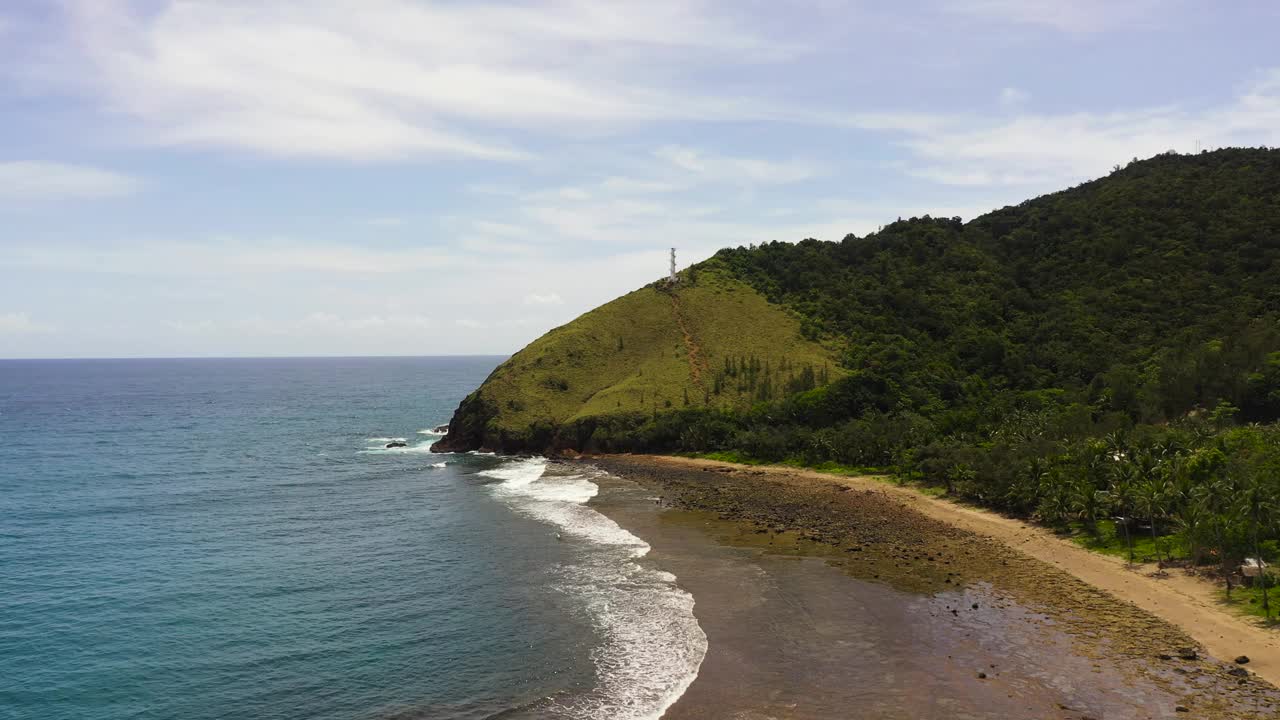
(231, 538)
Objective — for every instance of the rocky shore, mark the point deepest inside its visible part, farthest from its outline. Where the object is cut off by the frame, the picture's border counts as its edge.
(872, 535)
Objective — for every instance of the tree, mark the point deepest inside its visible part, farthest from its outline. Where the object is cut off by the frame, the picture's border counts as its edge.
(1189, 513)
(1123, 493)
(1055, 497)
(1217, 495)
(1151, 496)
(1258, 507)
(1086, 501)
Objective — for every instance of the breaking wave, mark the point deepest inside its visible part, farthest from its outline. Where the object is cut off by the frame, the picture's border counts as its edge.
(651, 644)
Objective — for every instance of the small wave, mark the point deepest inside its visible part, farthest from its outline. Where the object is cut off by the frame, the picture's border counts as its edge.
(433, 431)
(439, 464)
(385, 439)
(652, 645)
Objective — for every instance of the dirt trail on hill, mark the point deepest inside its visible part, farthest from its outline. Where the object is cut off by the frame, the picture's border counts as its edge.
(697, 365)
(1188, 603)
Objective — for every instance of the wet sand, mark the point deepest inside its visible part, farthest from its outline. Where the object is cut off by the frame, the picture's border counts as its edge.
(821, 600)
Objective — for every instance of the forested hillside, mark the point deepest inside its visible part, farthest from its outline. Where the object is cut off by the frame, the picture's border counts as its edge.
(1111, 348)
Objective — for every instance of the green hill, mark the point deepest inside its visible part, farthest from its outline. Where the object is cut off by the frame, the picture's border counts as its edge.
(708, 342)
(1108, 351)
(1136, 299)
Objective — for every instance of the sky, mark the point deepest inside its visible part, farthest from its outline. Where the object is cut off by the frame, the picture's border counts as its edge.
(405, 177)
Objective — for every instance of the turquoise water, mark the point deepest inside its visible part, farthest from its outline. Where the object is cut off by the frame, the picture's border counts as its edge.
(231, 539)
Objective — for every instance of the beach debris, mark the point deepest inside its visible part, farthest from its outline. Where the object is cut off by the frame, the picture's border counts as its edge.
(1243, 659)
(1253, 567)
(982, 676)
(1181, 708)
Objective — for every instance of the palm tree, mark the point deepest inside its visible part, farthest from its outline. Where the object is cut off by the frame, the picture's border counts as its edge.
(1258, 507)
(1122, 493)
(1190, 515)
(1055, 497)
(1086, 502)
(1217, 497)
(1152, 496)
(1086, 499)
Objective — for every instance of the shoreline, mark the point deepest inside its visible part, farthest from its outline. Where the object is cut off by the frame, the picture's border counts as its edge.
(1181, 600)
(925, 552)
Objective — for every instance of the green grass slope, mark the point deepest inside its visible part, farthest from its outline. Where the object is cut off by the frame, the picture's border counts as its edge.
(708, 342)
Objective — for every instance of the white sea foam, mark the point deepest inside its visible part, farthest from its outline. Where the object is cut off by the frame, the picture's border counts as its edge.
(385, 439)
(652, 645)
(439, 464)
(432, 431)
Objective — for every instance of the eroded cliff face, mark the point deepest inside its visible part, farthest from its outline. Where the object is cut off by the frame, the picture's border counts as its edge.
(656, 350)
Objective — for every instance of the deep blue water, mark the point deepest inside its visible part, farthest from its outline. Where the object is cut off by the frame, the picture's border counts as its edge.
(229, 539)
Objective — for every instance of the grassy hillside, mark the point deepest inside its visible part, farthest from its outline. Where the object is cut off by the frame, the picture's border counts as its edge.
(709, 342)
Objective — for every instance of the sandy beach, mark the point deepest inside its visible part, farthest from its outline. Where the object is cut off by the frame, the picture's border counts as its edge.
(918, 607)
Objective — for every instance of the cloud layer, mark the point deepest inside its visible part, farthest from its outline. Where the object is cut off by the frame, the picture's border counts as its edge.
(28, 180)
(425, 176)
(382, 79)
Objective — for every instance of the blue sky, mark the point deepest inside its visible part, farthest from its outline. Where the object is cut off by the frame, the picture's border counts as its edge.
(190, 178)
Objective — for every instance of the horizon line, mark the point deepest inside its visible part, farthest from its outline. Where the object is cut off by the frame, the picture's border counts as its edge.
(250, 357)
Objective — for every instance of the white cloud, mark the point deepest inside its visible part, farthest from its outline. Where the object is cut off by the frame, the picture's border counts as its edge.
(385, 221)
(27, 180)
(543, 299)
(1012, 97)
(484, 247)
(572, 193)
(330, 322)
(230, 256)
(20, 323)
(1076, 16)
(619, 184)
(1048, 151)
(500, 229)
(723, 168)
(312, 324)
(382, 79)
